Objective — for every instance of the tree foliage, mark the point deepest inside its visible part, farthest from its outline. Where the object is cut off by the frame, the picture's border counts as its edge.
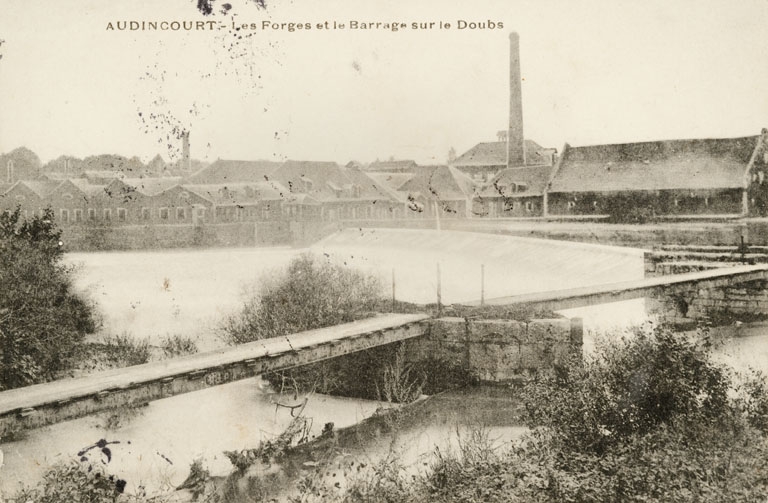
(42, 320)
(310, 294)
(650, 418)
(630, 387)
(314, 293)
(75, 481)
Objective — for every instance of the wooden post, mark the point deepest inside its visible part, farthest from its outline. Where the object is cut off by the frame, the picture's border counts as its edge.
(482, 284)
(393, 289)
(743, 250)
(439, 291)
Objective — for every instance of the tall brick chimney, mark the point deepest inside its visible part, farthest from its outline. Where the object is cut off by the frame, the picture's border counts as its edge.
(186, 162)
(515, 138)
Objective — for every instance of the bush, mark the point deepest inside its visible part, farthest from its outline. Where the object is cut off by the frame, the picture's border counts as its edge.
(630, 387)
(38, 307)
(75, 481)
(398, 385)
(124, 350)
(651, 418)
(310, 294)
(178, 345)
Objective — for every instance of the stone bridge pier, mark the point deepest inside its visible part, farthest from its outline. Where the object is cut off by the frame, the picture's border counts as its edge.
(500, 350)
(697, 303)
(702, 300)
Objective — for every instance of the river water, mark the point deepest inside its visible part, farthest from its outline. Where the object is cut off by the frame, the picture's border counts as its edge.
(158, 293)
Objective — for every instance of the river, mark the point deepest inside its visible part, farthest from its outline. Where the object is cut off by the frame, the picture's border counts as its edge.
(157, 293)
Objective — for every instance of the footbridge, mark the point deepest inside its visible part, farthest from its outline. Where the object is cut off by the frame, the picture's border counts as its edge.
(493, 349)
(704, 288)
(42, 404)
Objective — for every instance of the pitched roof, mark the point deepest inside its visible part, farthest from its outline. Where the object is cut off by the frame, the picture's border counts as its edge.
(113, 162)
(391, 180)
(440, 182)
(315, 178)
(41, 188)
(484, 154)
(518, 182)
(231, 171)
(83, 186)
(495, 154)
(103, 174)
(655, 165)
(240, 194)
(395, 166)
(152, 186)
(370, 188)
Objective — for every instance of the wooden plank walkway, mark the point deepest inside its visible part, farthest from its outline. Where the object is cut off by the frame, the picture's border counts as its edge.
(56, 401)
(627, 290)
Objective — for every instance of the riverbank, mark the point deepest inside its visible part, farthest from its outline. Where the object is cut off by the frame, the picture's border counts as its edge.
(411, 434)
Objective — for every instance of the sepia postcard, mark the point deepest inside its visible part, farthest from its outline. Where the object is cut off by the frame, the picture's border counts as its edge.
(269, 250)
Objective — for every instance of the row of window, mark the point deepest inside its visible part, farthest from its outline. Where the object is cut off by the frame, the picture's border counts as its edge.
(121, 214)
(515, 205)
(675, 202)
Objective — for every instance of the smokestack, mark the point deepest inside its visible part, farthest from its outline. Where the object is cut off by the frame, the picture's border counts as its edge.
(515, 138)
(186, 162)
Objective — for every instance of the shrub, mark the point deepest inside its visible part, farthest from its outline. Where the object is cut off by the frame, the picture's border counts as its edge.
(310, 294)
(651, 418)
(398, 384)
(630, 387)
(38, 307)
(124, 350)
(74, 481)
(178, 345)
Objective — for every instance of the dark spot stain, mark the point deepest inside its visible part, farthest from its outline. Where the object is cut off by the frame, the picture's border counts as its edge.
(205, 6)
(261, 4)
(225, 8)
(356, 66)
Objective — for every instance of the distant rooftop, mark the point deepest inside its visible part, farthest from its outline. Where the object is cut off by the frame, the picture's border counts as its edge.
(655, 165)
(495, 154)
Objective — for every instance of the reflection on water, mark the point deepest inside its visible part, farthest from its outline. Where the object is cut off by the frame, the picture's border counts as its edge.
(745, 349)
(158, 444)
(152, 294)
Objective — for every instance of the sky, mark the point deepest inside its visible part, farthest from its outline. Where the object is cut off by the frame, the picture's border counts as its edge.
(594, 71)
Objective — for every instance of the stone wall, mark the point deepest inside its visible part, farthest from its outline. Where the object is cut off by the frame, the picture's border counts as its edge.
(142, 237)
(656, 265)
(749, 298)
(500, 350)
(232, 234)
(745, 298)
